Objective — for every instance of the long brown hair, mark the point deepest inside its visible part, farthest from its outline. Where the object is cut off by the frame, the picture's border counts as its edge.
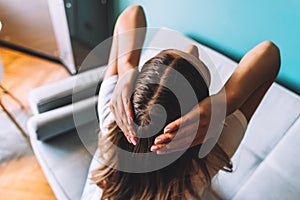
(185, 178)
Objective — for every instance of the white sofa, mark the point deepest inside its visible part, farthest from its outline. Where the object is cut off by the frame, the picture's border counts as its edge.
(266, 164)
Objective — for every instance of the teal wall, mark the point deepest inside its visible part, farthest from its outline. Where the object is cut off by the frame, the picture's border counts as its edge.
(232, 27)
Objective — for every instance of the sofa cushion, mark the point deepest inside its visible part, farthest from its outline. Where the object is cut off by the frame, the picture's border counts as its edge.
(274, 116)
(278, 175)
(225, 184)
(267, 127)
(65, 160)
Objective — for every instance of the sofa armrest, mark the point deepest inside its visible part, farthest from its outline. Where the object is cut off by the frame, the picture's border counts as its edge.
(64, 92)
(55, 122)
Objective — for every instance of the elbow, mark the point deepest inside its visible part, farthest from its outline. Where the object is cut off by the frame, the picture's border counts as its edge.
(273, 53)
(272, 48)
(132, 11)
(134, 14)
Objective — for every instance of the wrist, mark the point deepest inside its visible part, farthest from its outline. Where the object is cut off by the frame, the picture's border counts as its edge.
(124, 68)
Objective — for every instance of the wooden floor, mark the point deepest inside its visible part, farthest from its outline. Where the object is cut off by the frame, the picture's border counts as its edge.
(22, 177)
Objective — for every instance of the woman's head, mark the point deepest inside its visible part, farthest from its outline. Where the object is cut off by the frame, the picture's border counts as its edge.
(167, 87)
(155, 105)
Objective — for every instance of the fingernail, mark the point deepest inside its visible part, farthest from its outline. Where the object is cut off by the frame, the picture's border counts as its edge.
(154, 148)
(167, 130)
(133, 141)
(129, 140)
(157, 141)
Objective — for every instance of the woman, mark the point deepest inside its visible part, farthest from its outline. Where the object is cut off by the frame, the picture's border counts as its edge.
(123, 118)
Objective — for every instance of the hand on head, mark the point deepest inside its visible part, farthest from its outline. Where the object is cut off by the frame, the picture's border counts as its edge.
(180, 134)
(120, 104)
(184, 127)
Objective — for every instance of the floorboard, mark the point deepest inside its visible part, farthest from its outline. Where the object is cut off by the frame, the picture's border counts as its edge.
(20, 174)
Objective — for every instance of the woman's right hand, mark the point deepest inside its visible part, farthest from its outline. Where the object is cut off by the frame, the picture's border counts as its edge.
(120, 104)
(180, 134)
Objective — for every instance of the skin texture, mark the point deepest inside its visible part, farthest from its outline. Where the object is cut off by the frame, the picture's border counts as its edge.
(244, 90)
(123, 61)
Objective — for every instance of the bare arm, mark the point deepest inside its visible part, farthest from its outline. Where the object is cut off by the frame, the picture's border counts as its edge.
(247, 86)
(124, 58)
(127, 41)
(244, 90)
(252, 78)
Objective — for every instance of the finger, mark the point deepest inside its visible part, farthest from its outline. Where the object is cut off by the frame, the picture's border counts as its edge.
(121, 113)
(164, 138)
(161, 152)
(156, 147)
(166, 149)
(123, 116)
(128, 139)
(127, 105)
(187, 119)
(113, 111)
(182, 141)
(121, 125)
(184, 132)
(133, 140)
(179, 144)
(120, 122)
(128, 112)
(173, 126)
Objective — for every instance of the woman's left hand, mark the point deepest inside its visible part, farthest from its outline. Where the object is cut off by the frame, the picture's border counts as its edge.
(184, 129)
(120, 104)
